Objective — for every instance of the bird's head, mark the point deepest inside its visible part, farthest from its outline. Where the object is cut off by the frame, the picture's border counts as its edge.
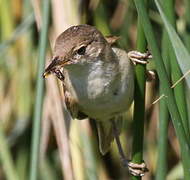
(77, 45)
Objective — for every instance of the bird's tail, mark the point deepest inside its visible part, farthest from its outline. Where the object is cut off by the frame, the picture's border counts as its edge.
(106, 133)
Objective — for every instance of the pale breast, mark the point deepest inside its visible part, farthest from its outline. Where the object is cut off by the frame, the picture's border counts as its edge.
(103, 89)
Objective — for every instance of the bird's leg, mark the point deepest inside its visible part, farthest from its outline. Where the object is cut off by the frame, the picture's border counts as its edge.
(121, 153)
(138, 57)
(134, 168)
(142, 58)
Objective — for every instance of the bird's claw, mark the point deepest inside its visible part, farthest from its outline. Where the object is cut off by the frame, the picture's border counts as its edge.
(137, 169)
(138, 57)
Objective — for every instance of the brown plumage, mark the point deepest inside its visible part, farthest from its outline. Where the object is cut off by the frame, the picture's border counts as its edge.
(76, 47)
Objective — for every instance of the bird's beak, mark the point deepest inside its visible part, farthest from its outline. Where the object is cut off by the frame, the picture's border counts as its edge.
(55, 65)
(52, 67)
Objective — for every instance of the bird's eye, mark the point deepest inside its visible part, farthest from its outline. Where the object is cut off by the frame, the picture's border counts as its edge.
(81, 51)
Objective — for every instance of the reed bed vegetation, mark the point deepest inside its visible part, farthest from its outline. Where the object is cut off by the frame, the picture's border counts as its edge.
(38, 138)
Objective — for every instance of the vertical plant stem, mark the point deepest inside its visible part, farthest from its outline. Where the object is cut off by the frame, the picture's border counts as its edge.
(170, 100)
(89, 156)
(172, 68)
(161, 170)
(40, 92)
(187, 23)
(6, 160)
(169, 7)
(139, 103)
(162, 141)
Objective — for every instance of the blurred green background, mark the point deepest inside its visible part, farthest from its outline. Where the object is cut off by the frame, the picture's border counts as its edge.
(68, 149)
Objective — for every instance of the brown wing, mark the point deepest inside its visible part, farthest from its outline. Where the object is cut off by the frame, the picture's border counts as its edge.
(106, 133)
(72, 105)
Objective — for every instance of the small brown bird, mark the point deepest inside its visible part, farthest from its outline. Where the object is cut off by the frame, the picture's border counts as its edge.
(98, 82)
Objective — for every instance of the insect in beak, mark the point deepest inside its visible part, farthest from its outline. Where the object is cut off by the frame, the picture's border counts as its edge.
(54, 68)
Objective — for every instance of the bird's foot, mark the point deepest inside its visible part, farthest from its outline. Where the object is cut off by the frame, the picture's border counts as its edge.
(136, 169)
(138, 57)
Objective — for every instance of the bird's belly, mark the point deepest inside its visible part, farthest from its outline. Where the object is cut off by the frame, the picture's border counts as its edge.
(102, 90)
(108, 104)
(101, 99)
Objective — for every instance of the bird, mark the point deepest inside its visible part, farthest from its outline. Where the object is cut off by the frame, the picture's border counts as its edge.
(98, 82)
